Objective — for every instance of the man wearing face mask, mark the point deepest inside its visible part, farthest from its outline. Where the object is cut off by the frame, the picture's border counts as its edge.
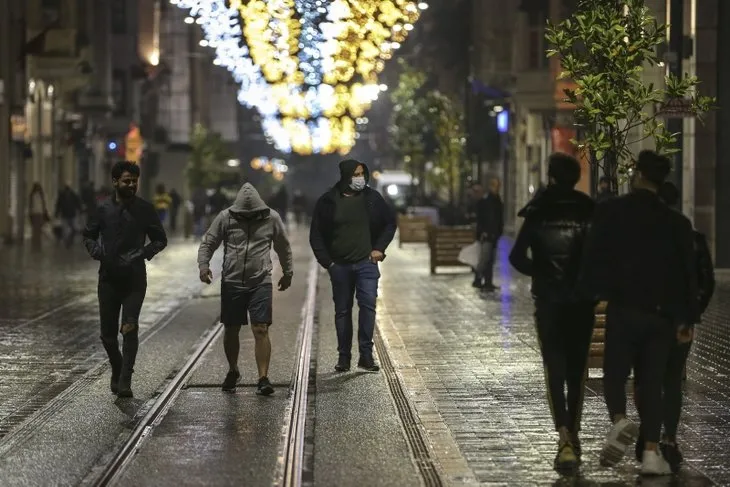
(352, 227)
(116, 235)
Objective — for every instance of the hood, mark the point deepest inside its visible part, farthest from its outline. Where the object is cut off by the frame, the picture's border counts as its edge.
(248, 202)
(347, 169)
(553, 195)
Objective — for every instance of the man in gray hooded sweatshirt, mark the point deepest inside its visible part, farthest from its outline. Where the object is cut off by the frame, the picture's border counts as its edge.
(247, 229)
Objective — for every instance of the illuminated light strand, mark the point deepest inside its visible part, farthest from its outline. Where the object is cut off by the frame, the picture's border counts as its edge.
(301, 111)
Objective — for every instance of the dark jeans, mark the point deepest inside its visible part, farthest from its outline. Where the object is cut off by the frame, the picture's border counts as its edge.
(487, 274)
(121, 295)
(350, 281)
(641, 338)
(673, 378)
(564, 331)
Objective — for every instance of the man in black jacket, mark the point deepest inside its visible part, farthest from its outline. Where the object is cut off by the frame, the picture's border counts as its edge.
(555, 227)
(639, 257)
(352, 227)
(680, 351)
(490, 226)
(115, 235)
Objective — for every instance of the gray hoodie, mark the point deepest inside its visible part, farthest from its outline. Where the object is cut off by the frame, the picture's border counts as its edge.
(247, 229)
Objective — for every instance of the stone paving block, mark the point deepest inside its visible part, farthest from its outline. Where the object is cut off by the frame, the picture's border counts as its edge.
(478, 359)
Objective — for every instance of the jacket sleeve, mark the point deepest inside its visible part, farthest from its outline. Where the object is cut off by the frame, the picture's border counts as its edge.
(596, 273)
(705, 272)
(91, 233)
(156, 233)
(316, 239)
(518, 257)
(211, 241)
(498, 218)
(389, 224)
(686, 242)
(282, 247)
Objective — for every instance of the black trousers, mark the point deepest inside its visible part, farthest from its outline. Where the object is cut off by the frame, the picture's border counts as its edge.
(641, 338)
(673, 394)
(487, 275)
(121, 295)
(564, 331)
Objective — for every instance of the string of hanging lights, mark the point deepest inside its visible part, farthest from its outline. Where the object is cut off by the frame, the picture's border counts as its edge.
(309, 67)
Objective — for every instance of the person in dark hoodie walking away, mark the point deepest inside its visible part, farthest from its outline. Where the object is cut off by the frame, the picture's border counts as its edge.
(68, 208)
(674, 374)
(115, 235)
(248, 230)
(639, 257)
(351, 229)
(554, 231)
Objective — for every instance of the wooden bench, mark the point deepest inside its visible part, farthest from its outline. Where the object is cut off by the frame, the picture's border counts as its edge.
(413, 229)
(445, 243)
(595, 357)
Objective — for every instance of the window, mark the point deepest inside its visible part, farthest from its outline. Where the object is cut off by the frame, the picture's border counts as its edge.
(119, 16)
(536, 57)
(119, 92)
(50, 11)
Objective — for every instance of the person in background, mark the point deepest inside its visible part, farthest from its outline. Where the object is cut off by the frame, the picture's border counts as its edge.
(248, 230)
(162, 202)
(38, 212)
(68, 208)
(199, 202)
(299, 205)
(175, 202)
(554, 232)
(674, 374)
(604, 189)
(490, 226)
(88, 197)
(116, 235)
(639, 258)
(351, 228)
(218, 202)
(280, 202)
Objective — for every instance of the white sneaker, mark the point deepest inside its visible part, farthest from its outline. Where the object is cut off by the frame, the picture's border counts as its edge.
(623, 434)
(655, 464)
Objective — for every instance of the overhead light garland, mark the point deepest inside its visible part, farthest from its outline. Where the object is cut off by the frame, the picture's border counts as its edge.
(309, 67)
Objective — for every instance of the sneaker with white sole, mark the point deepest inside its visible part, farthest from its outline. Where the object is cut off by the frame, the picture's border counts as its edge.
(654, 463)
(622, 435)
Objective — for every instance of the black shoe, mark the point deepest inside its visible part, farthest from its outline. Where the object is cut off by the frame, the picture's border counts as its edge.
(114, 383)
(672, 455)
(368, 364)
(477, 284)
(343, 365)
(229, 383)
(490, 288)
(639, 448)
(264, 387)
(566, 460)
(125, 386)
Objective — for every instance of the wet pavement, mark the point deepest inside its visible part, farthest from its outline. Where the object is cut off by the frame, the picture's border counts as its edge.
(49, 318)
(471, 365)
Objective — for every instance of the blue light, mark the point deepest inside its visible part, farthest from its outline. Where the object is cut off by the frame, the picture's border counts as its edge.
(503, 122)
(112, 145)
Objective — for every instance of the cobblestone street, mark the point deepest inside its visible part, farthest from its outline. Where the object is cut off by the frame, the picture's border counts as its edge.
(49, 321)
(471, 364)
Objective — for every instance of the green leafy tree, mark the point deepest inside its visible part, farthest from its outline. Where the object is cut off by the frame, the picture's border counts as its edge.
(207, 159)
(604, 48)
(446, 122)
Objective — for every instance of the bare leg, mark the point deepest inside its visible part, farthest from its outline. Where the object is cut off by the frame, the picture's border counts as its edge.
(263, 348)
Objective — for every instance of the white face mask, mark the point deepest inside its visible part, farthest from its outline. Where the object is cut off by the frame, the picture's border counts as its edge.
(357, 183)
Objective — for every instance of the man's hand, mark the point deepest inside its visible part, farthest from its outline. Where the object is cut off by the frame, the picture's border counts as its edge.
(206, 275)
(376, 256)
(284, 283)
(685, 334)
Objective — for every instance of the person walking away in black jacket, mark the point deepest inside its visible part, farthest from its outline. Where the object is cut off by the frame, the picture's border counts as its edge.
(490, 226)
(554, 231)
(68, 208)
(175, 202)
(604, 189)
(351, 228)
(248, 230)
(639, 257)
(674, 374)
(116, 235)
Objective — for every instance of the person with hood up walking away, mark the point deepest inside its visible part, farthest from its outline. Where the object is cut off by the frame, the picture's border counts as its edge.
(351, 228)
(639, 258)
(248, 230)
(554, 231)
(115, 235)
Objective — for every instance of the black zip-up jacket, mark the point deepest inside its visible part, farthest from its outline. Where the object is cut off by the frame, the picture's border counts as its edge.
(705, 272)
(116, 235)
(641, 254)
(490, 217)
(555, 229)
(382, 217)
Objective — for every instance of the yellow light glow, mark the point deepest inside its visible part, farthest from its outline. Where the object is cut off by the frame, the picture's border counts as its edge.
(154, 57)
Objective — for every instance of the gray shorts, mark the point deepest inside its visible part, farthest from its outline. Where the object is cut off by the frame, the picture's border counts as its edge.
(238, 304)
